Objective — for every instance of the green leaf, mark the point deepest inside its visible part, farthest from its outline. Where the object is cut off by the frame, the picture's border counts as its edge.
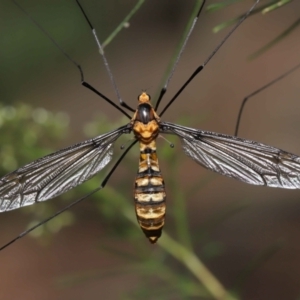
(217, 6)
(276, 6)
(123, 24)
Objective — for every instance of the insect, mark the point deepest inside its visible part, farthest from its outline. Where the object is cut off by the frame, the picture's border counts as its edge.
(245, 160)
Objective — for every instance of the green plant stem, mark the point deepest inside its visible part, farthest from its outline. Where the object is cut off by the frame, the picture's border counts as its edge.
(179, 46)
(225, 24)
(278, 39)
(190, 261)
(196, 267)
(180, 213)
(276, 6)
(121, 25)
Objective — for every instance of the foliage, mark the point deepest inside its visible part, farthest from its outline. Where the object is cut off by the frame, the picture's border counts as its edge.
(266, 8)
(40, 131)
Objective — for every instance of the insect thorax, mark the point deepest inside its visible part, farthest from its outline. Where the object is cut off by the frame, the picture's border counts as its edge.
(145, 123)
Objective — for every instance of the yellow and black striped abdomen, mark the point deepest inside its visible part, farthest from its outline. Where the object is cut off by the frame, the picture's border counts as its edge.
(150, 195)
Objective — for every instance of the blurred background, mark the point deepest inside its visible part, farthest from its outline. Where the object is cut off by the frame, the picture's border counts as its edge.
(246, 236)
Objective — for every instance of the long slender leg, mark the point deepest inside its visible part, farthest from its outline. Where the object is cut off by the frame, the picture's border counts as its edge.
(245, 100)
(102, 185)
(83, 82)
(201, 67)
(111, 77)
(164, 89)
(87, 85)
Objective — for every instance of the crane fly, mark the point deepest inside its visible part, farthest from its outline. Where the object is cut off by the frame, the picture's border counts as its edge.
(245, 160)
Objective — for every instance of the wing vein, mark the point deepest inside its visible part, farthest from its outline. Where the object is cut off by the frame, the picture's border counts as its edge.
(58, 172)
(245, 160)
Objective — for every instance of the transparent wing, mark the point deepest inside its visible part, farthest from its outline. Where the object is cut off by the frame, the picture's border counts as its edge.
(58, 172)
(245, 160)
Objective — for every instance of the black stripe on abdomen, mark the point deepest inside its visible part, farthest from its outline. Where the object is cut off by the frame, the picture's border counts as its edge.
(150, 196)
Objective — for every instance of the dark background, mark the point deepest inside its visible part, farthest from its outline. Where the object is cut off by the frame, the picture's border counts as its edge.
(33, 71)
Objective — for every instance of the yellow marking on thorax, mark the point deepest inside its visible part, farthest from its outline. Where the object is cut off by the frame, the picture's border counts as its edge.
(147, 132)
